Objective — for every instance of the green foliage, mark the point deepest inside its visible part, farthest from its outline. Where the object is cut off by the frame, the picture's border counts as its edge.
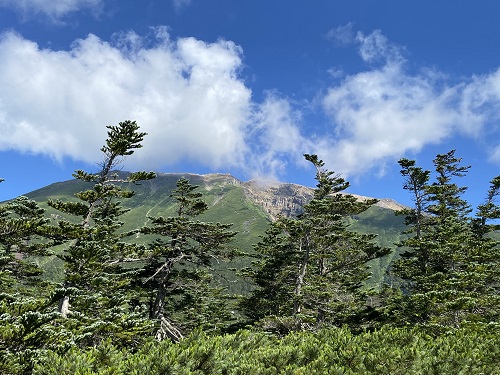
(26, 331)
(228, 203)
(310, 269)
(449, 275)
(124, 273)
(176, 276)
(388, 228)
(471, 350)
(95, 298)
(23, 231)
(223, 194)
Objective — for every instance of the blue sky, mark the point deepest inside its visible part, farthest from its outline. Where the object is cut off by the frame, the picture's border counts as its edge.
(246, 87)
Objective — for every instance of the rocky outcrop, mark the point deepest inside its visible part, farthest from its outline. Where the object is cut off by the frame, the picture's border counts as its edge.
(278, 199)
(284, 199)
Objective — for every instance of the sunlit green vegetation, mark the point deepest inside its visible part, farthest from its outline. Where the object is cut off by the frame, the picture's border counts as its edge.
(132, 273)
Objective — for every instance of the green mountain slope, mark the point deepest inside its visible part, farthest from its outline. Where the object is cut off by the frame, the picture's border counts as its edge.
(249, 206)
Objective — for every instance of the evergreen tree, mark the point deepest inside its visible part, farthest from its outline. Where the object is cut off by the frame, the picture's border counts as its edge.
(22, 224)
(311, 268)
(95, 297)
(482, 274)
(489, 210)
(416, 181)
(177, 277)
(448, 271)
(26, 329)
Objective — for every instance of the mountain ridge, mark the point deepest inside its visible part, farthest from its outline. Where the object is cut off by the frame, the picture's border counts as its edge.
(253, 188)
(256, 189)
(249, 206)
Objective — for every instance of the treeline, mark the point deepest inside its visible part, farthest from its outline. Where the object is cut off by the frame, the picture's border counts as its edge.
(131, 300)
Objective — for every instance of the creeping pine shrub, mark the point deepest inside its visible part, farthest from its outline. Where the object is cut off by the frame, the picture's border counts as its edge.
(470, 350)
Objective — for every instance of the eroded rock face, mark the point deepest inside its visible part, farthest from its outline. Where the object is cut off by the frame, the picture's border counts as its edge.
(283, 199)
(278, 199)
(275, 198)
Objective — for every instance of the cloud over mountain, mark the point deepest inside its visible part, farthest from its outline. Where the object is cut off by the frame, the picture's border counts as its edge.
(54, 9)
(381, 113)
(192, 99)
(186, 93)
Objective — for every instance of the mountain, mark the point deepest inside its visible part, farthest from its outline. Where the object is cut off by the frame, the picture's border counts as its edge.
(249, 206)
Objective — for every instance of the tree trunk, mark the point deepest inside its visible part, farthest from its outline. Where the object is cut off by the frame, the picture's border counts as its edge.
(297, 306)
(157, 307)
(167, 330)
(64, 306)
(322, 271)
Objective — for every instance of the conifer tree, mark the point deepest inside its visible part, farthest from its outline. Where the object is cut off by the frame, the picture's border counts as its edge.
(448, 271)
(26, 332)
(95, 297)
(416, 181)
(311, 268)
(22, 225)
(177, 277)
(482, 272)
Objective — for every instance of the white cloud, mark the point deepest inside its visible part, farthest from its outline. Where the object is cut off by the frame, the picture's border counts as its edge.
(189, 96)
(495, 155)
(186, 94)
(342, 35)
(54, 9)
(380, 114)
(480, 102)
(277, 137)
(375, 47)
(180, 4)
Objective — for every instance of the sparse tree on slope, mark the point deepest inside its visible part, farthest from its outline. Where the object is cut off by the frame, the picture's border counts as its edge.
(95, 297)
(311, 268)
(177, 276)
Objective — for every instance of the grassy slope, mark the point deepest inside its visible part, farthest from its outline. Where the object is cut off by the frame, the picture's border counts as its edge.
(388, 228)
(228, 204)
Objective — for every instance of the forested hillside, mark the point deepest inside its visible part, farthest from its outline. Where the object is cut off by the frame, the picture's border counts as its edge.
(248, 206)
(117, 272)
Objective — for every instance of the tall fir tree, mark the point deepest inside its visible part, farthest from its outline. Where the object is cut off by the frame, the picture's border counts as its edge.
(177, 277)
(448, 271)
(310, 269)
(95, 297)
